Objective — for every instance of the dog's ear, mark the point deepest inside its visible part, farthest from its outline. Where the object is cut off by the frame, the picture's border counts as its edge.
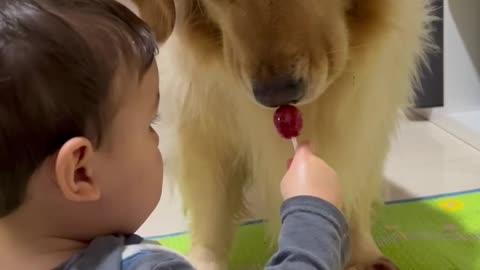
(159, 15)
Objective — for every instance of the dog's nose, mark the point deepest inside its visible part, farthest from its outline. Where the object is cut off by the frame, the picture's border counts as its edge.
(278, 91)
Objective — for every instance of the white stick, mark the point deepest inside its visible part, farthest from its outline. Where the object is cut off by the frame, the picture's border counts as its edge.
(294, 143)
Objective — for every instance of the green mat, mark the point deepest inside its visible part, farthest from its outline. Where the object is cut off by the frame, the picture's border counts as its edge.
(436, 233)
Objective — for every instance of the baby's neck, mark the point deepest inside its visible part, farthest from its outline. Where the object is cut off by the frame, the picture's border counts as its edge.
(26, 244)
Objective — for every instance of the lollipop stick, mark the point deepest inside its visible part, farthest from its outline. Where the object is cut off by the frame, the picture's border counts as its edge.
(294, 143)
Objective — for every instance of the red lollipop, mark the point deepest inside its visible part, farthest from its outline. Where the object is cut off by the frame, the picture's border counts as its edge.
(288, 121)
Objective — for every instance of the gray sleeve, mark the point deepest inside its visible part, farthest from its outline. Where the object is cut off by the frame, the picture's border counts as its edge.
(157, 260)
(313, 236)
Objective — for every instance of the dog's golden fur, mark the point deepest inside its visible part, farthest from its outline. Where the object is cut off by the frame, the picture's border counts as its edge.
(359, 59)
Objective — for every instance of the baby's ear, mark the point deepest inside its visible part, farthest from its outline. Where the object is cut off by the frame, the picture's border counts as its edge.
(73, 171)
(159, 15)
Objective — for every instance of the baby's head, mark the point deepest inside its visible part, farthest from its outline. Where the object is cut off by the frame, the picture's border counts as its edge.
(78, 93)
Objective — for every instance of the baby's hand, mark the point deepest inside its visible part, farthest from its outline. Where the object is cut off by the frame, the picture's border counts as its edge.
(308, 175)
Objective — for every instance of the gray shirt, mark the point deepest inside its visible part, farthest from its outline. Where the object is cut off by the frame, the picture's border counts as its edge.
(313, 236)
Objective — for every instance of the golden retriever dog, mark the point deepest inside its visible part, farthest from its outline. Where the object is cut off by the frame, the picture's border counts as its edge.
(349, 66)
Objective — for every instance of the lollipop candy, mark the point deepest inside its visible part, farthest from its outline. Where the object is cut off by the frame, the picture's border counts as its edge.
(288, 121)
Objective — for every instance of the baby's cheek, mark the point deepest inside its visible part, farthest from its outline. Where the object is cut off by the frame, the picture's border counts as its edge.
(157, 179)
(157, 166)
(154, 135)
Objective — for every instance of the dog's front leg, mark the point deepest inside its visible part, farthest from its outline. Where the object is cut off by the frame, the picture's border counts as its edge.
(212, 224)
(365, 253)
(211, 184)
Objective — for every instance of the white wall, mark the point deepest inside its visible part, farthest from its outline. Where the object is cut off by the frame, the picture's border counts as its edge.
(461, 114)
(462, 55)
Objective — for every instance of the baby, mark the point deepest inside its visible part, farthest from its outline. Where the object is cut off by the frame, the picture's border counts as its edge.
(80, 170)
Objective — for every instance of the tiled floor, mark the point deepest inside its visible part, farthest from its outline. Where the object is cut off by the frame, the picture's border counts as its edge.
(425, 160)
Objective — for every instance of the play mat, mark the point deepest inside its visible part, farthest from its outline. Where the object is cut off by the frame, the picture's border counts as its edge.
(435, 233)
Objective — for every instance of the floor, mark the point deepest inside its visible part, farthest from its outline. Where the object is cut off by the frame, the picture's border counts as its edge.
(425, 160)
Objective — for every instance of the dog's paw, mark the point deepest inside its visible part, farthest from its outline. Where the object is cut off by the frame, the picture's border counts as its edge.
(383, 264)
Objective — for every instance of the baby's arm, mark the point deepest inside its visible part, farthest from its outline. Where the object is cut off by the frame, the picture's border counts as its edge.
(313, 236)
(314, 231)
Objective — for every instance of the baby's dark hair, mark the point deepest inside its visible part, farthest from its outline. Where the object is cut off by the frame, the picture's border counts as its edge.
(58, 59)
